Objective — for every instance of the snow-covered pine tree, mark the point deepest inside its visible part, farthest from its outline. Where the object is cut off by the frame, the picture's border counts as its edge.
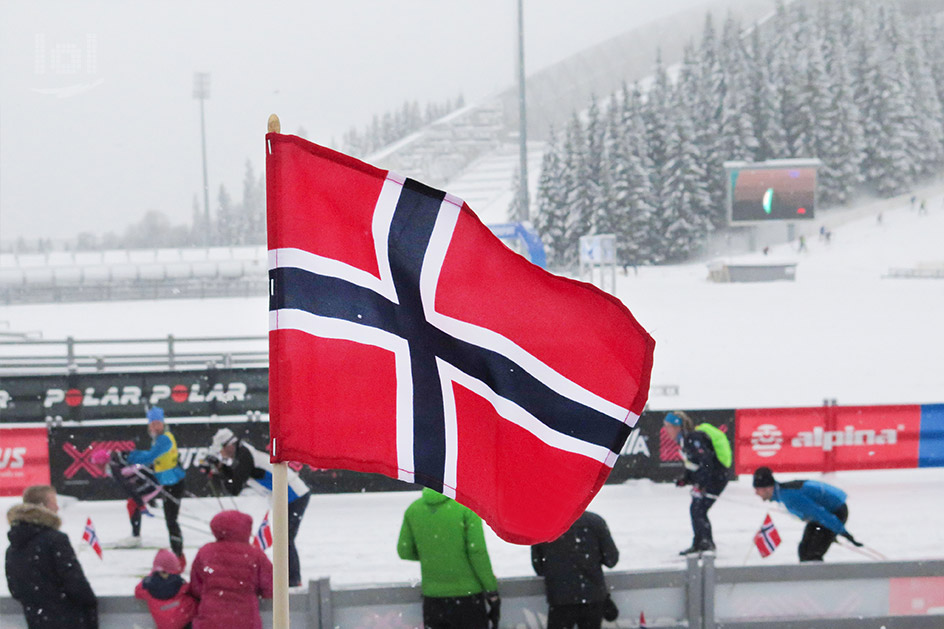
(577, 192)
(253, 207)
(658, 115)
(840, 142)
(766, 116)
(596, 182)
(928, 131)
(707, 103)
(639, 241)
(737, 140)
(550, 219)
(685, 218)
(612, 193)
(883, 99)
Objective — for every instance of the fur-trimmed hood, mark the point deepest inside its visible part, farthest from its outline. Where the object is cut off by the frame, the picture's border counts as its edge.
(28, 520)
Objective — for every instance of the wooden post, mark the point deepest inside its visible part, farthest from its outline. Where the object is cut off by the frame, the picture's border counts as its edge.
(280, 607)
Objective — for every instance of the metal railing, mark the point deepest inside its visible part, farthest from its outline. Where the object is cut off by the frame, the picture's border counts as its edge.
(698, 596)
(71, 355)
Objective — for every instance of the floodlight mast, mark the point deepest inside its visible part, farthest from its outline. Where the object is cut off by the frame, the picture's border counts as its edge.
(523, 200)
(201, 91)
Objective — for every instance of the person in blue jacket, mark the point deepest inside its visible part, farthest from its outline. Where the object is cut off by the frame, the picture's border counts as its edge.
(163, 458)
(822, 506)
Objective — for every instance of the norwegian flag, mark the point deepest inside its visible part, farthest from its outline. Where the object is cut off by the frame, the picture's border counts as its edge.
(263, 537)
(407, 340)
(91, 537)
(767, 538)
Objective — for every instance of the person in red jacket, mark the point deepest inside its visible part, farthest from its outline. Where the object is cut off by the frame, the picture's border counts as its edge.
(229, 575)
(166, 593)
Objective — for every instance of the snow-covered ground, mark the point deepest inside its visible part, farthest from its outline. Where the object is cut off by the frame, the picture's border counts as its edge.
(352, 538)
(840, 331)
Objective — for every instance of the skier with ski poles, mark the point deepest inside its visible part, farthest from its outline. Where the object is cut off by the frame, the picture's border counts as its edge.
(238, 463)
(137, 481)
(164, 459)
(822, 506)
(702, 449)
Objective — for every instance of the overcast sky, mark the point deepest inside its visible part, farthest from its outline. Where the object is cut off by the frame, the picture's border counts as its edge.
(98, 123)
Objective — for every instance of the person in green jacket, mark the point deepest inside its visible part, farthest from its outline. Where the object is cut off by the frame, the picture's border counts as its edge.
(459, 587)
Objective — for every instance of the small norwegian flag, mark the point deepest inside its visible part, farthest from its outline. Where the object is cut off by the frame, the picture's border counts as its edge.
(642, 620)
(767, 538)
(263, 537)
(91, 537)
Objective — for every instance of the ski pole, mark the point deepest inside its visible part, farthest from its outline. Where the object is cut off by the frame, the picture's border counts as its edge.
(863, 550)
(211, 482)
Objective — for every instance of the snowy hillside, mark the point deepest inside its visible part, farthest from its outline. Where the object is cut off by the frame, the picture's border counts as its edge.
(841, 330)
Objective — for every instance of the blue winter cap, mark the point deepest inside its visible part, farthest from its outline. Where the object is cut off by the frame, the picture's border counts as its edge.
(155, 414)
(673, 419)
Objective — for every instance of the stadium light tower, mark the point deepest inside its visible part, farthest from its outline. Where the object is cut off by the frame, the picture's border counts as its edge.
(201, 91)
(522, 122)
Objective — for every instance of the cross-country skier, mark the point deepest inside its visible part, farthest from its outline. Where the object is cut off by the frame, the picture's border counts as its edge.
(137, 481)
(237, 463)
(702, 449)
(822, 506)
(163, 457)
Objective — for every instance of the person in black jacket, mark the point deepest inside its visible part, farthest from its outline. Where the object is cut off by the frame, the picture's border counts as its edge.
(572, 567)
(43, 572)
(703, 471)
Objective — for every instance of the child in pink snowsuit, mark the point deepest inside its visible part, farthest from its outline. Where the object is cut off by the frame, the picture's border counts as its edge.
(167, 594)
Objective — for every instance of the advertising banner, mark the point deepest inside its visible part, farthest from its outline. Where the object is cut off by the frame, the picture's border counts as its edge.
(650, 453)
(73, 473)
(931, 448)
(828, 438)
(80, 397)
(24, 459)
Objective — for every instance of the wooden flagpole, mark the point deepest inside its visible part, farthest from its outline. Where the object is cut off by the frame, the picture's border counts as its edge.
(280, 610)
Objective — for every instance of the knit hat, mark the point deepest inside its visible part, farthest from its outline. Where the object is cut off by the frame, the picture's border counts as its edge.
(100, 456)
(673, 419)
(166, 561)
(155, 414)
(222, 438)
(763, 477)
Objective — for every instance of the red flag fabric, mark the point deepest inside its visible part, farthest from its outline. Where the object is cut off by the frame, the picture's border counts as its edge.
(407, 340)
(263, 537)
(767, 538)
(642, 620)
(91, 538)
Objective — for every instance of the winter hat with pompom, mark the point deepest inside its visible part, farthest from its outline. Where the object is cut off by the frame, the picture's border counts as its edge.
(166, 561)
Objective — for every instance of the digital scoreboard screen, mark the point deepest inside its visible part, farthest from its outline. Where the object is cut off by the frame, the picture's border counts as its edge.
(772, 194)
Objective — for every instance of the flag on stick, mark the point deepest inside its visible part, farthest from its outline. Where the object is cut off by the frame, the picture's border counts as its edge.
(263, 537)
(767, 538)
(90, 537)
(406, 339)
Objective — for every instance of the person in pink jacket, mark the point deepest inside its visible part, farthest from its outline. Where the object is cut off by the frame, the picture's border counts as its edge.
(229, 575)
(166, 593)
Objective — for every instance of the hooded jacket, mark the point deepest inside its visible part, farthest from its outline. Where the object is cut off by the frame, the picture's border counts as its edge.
(572, 565)
(43, 573)
(168, 599)
(229, 575)
(449, 542)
